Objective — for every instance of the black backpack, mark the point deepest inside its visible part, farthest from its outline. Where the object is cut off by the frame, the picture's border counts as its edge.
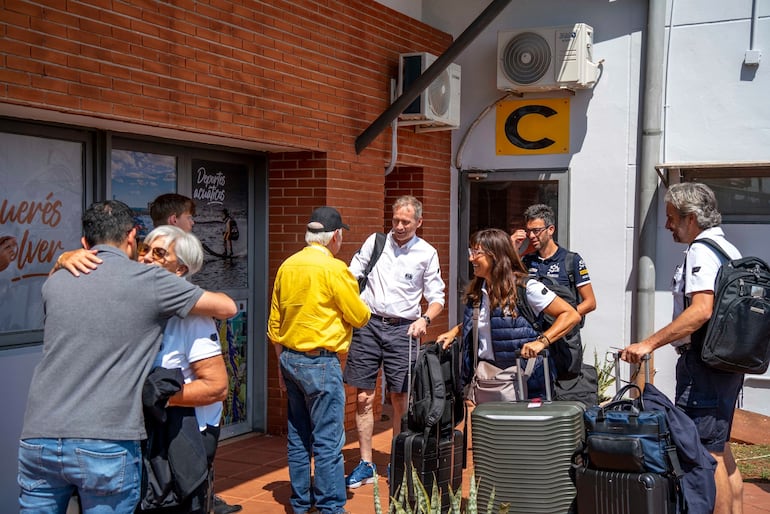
(436, 399)
(737, 337)
(567, 352)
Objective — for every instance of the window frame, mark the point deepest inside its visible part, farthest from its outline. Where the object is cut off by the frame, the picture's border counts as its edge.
(709, 172)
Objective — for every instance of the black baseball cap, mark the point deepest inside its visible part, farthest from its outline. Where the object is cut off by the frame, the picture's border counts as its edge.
(326, 219)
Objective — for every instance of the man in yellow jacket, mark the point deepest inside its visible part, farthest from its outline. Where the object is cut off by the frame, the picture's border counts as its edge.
(314, 307)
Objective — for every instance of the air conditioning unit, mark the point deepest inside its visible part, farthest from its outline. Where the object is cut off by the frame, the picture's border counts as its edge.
(438, 106)
(549, 58)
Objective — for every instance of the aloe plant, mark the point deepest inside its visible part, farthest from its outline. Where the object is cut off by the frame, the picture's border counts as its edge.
(425, 503)
(605, 373)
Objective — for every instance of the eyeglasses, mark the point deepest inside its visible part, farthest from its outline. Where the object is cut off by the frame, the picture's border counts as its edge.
(158, 253)
(535, 231)
(475, 252)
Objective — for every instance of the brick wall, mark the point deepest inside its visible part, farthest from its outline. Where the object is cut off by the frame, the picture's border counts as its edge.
(303, 75)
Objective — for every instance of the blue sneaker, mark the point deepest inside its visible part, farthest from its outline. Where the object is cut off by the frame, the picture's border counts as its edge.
(362, 475)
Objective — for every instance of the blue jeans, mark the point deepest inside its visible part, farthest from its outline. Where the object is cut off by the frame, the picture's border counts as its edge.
(316, 428)
(106, 474)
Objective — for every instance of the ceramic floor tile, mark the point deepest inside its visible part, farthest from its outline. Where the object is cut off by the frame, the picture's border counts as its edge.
(252, 471)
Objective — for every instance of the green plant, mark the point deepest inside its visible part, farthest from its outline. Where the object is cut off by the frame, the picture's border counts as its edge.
(605, 372)
(431, 503)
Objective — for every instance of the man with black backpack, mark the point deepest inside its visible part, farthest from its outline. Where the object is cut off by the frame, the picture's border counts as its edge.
(566, 274)
(706, 394)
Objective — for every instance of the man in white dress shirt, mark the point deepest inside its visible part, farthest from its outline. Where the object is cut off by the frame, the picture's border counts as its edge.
(407, 270)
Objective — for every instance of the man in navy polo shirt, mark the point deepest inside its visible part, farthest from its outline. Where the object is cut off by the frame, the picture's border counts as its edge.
(548, 259)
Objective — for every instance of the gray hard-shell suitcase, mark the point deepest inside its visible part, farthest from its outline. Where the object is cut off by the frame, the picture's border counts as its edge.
(524, 451)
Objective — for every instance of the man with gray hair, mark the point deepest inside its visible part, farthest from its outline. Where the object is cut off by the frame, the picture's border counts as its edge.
(707, 395)
(314, 307)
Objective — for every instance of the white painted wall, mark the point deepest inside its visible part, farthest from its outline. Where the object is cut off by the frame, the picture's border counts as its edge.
(716, 109)
(16, 366)
(411, 8)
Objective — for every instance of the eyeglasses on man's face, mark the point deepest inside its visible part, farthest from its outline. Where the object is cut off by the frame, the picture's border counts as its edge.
(158, 253)
(536, 231)
(475, 252)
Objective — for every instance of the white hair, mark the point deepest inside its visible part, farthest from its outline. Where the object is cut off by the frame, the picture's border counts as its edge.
(187, 247)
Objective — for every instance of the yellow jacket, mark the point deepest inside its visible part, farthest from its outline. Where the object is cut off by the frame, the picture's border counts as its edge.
(315, 302)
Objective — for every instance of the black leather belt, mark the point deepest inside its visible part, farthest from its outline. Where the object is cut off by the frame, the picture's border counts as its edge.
(683, 348)
(392, 321)
(318, 352)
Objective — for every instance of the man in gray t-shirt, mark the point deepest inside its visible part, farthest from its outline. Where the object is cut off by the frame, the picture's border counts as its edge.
(83, 424)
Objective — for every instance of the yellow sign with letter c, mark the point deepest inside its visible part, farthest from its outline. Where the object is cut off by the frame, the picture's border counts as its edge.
(532, 126)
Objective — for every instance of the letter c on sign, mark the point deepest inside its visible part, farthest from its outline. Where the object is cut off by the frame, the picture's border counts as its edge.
(512, 127)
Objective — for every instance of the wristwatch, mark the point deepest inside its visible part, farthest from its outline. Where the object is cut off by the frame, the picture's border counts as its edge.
(426, 318)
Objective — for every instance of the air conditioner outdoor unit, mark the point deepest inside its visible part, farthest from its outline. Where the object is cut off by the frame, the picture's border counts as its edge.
(547, 58)
(438, 106)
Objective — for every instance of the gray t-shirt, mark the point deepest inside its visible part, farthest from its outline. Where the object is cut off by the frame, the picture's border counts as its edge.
(102, 331)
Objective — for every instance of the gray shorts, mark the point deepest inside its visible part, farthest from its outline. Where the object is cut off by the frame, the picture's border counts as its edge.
(378, 344)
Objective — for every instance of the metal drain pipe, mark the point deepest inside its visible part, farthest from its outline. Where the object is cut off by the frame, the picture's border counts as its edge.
(652, 133)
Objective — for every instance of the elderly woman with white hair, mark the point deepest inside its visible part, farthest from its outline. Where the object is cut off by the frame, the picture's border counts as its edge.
(190, 344)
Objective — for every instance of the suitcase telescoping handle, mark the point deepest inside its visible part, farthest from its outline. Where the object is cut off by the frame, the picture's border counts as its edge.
(546, 375)
(645, 364)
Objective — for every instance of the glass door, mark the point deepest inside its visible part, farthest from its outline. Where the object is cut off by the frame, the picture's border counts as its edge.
(497, 199)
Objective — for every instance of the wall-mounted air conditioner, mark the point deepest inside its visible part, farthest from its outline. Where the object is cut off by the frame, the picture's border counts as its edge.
(438, 107)
(547, 58)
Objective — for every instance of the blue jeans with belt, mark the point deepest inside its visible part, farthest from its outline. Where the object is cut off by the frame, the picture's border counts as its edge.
(105, 473)
(316, 429)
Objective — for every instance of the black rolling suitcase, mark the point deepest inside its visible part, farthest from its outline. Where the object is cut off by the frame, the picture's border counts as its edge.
(435, 461)
(524, 451)
(629, 465)
(620, 492)
(429, 442)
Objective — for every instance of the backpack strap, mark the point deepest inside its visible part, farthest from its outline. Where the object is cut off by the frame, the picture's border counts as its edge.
(475, 336)
(379, 245)
(569, 268)
(524, 308)
(714, 247)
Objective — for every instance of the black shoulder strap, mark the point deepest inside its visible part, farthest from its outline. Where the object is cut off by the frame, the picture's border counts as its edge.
(522, 305)
(476, 309)
(379, 245)
(569, 268)
(714, 247)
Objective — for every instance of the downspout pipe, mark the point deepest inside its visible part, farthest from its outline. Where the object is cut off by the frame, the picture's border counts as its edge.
(432, 73)
(652, 134)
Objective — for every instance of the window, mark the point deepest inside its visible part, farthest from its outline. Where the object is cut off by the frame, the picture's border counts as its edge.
(42, 185)
(742, 189)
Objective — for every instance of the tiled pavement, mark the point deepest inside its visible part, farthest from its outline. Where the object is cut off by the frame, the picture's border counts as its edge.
(252, 471)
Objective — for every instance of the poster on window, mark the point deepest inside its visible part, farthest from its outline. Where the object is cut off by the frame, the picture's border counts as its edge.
(220, 191)
(233, 335)
(41, 203)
